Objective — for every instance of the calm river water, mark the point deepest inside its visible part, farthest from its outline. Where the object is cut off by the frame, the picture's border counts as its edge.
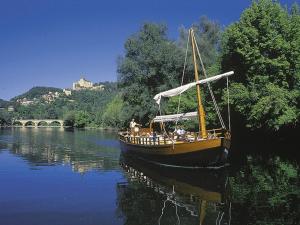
(73, 177)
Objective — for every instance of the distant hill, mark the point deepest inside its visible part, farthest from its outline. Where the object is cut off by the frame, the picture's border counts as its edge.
(36, 92)
(3, 103)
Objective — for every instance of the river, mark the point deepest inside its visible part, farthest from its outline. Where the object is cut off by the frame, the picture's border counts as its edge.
(57, 176)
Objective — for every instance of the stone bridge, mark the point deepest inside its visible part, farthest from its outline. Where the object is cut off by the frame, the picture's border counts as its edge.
(39, 123)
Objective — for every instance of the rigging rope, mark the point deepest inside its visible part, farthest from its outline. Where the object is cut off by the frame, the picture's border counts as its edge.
(164, 129)
(228, 105)
(209, 87)
(183, 73)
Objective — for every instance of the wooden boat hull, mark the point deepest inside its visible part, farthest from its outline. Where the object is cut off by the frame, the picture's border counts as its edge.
(205, 153)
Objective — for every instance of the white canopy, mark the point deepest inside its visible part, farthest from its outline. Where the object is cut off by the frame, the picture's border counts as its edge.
(181, 89)
(175, 117)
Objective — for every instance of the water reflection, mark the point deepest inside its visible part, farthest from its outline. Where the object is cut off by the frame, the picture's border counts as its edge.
(265, 190)
(47, 146)
(255, 189)
(157, 195)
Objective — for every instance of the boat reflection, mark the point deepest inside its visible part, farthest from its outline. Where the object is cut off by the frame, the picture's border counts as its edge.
(172, 196)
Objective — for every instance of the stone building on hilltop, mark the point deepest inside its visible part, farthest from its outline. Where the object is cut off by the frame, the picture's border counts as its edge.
(85, 84)
(82, 84)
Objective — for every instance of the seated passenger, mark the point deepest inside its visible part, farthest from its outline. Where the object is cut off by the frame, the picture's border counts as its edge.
(181, 133)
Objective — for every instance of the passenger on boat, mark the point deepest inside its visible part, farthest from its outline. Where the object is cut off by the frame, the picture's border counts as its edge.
(180, 132)
(134, 127)
(154, 135)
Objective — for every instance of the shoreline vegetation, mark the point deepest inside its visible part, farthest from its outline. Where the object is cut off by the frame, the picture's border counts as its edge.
(262, 48)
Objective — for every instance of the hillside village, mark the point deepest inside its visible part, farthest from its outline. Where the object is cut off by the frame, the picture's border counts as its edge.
(82, 84)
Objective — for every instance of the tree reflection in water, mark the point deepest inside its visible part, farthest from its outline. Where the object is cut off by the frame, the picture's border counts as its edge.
(266, 191)
(157, 195)
(83, 150)
(263, 191)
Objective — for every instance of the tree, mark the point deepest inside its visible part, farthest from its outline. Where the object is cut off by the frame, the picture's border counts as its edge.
(112, 116)
(263, 49)
(81, 119)
(69, 118)
(151, 64)
(5, 118)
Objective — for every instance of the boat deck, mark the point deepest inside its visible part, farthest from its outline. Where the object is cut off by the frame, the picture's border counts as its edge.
(141, 138)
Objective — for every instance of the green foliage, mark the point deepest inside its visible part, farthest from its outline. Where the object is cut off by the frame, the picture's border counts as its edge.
(151, 64)
(82, 119)
(188, 103)
(5, 118)
(208, 35)
(263, 49)
(112, 116)
(268, 191)
(37, 111)
(69, 118)
(4, 104)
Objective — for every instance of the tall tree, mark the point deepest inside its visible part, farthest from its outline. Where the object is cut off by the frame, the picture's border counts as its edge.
(151, 63)
(208, 35)
(263, 49)
(112, 116)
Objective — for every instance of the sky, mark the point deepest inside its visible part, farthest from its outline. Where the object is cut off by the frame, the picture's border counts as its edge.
(56, 42)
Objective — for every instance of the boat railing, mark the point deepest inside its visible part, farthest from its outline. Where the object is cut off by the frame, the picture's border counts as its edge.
(143, 140)
(163, 139)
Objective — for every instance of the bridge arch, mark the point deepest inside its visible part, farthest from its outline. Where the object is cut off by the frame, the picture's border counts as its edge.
(42, 123)
(17, 123)
(29, 123)
(55, 123)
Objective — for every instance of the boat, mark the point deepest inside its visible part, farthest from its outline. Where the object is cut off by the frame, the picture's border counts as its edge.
(203, 148)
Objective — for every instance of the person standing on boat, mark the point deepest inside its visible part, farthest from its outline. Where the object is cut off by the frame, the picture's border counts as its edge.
(134, 127)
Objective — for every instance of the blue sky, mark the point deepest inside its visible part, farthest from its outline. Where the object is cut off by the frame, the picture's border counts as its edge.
(55, 42)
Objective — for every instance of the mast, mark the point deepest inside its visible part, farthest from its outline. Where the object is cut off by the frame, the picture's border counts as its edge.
(201, 113)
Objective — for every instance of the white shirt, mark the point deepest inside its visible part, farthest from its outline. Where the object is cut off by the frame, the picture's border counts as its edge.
(180, 132)
(132, 124)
